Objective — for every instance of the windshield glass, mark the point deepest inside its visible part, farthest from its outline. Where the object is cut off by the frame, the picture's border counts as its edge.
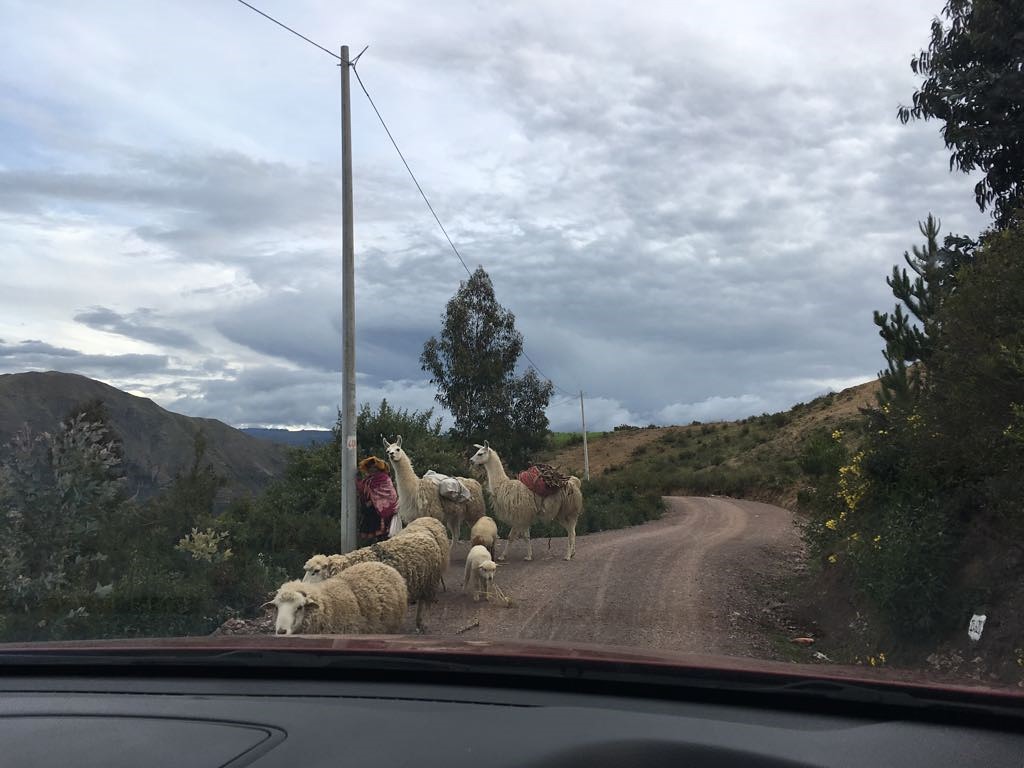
(686, 328)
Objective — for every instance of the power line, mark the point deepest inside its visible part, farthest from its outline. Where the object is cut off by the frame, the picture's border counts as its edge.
(434, 213)
(394, 143)
(297, 34)
(537, 368)
(411, 174)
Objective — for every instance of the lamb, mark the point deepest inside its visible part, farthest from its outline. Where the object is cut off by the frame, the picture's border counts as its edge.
(485, 532)
(519, 507)
(480, 570)
(368, 598)
(415, 554)
(419, 497)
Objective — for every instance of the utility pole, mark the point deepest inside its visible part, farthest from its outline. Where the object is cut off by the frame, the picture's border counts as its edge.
(586, 455)
(349, 512)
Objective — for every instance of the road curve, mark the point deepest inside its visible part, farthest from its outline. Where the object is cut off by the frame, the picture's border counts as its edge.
(675, 583)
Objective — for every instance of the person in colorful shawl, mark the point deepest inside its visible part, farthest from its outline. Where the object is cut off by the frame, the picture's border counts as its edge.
(378, 498)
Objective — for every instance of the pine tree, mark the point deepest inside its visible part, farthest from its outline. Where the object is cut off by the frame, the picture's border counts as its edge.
(935, 271)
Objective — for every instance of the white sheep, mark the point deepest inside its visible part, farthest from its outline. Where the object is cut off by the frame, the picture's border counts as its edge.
(485, 532)
(368, 598)
(480, 570)
(416, 554)
(420, 497)
(515, 504)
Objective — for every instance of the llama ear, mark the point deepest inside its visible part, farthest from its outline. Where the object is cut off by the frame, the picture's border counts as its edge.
(486, 444)
(477, 446)
(385, 441)
(398, 441)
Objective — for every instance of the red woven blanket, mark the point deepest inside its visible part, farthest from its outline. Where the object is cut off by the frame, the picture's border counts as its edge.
(532, 479)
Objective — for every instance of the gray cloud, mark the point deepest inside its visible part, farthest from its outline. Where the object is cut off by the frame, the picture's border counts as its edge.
(689, 220)
(38, 355)
(141, 324)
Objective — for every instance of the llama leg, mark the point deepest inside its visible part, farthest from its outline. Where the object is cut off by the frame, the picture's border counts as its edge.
(529, 545)
(570, 549)
(508, 541)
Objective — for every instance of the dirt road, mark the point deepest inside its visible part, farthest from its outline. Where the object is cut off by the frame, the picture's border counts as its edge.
(693, 581)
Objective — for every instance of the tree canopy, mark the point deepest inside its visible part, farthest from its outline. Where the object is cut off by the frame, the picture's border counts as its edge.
(473, 366)
(973, 72)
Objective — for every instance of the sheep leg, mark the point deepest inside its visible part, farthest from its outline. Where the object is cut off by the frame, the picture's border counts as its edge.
(419, 616)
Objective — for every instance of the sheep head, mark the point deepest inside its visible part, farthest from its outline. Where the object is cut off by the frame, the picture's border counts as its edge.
(487, 570)
(292, 603)
(316, 569)
(483, 453)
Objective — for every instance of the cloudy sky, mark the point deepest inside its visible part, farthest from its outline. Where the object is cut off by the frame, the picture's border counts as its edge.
(690, 207)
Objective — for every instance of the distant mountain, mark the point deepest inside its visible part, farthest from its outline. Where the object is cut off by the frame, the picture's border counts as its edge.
(158, 444)
(300, 438)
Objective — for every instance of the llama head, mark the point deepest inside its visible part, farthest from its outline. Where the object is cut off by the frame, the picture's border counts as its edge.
(483, 452)
(393, 450)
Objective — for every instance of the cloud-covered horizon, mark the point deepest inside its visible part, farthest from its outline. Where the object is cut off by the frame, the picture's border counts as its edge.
(691, 215)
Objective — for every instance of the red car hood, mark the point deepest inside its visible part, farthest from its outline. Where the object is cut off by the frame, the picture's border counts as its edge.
(704, 666)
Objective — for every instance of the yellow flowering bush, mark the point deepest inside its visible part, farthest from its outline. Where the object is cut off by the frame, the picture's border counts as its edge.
(852, 484)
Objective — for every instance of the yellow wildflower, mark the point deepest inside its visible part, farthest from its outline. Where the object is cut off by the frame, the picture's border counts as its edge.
(837, 435)
(871, 661)
(881, 657)
(854, 536)
(831, 524)
(833, 559)
(852, 485)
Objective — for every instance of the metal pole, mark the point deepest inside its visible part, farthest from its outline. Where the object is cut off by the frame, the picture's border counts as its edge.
(586, 454)
(349, 512)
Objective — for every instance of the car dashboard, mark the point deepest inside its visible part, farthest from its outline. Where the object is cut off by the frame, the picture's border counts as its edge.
(207, 718)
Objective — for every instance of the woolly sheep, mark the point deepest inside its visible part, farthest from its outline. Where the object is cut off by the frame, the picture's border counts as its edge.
(368, 598)
(485, 532)
(480, 570)
(419, 497)
(519, 507)
(435, 528)
(415, 554)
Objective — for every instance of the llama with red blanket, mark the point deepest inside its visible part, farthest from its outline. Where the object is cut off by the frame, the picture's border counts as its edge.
(517, 505)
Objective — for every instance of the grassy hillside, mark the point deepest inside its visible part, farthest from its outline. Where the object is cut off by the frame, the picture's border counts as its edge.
(158, 444)
(755, 458)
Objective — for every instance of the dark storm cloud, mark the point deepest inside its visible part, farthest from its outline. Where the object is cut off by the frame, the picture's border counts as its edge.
(38, 355)
(141, 324)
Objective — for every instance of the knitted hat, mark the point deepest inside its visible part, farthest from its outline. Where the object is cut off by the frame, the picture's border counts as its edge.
(365, 464)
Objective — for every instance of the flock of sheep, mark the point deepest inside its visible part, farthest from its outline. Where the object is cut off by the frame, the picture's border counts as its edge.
(367, 591)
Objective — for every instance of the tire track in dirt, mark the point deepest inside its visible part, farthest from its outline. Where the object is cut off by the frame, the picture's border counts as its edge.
(672, 583)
